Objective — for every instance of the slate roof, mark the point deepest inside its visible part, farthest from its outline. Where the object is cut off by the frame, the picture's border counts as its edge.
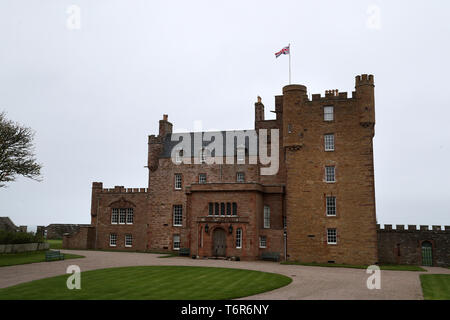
(168, 144)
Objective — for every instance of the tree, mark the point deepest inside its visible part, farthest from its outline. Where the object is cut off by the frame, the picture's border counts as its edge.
(16, 152)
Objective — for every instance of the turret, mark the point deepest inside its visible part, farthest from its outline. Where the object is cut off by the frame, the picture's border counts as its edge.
(294, 96)
(365, 96)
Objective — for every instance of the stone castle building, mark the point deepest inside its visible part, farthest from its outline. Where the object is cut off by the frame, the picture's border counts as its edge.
(318, 207)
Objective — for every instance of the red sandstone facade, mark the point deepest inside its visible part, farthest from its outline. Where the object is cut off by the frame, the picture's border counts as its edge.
(296, 212)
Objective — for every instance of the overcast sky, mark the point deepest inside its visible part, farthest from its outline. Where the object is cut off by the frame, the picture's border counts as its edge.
(93, 89)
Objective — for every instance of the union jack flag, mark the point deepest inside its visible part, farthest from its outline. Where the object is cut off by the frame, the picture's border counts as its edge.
(285, 50)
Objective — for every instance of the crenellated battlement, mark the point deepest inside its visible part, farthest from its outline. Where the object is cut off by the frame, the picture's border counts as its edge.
(401, 227)
(98, 188)
(331, 95)
(364, 79)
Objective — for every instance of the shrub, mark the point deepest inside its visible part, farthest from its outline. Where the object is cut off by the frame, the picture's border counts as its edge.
(19, 237)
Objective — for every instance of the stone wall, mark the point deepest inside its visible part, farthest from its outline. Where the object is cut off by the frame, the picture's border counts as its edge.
(83, 239)
(56, 231)
(23, 247)
(402, 245)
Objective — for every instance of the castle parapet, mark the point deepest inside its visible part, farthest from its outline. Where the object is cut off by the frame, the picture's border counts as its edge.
(401, 227)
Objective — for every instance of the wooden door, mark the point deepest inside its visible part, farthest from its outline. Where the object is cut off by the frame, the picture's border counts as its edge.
(219, 243)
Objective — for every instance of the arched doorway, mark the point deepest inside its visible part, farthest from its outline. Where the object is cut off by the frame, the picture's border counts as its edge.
(219, 243)
(427, 253)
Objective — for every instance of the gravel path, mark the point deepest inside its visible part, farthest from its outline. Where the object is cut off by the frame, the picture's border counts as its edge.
(308, 282)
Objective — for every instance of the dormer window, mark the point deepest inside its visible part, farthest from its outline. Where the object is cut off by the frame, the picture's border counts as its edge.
(179, 156)
(241, 154)
(204, 153)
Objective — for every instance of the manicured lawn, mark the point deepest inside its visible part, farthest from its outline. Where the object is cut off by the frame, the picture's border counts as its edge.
(55, 244)
(152, 283)
(335, 265)
(11, 259)
(435, 286)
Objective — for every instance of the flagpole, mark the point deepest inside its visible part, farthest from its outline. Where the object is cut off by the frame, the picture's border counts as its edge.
(289, 63)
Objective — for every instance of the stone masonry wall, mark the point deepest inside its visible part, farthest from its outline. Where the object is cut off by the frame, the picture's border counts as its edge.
(402, 245)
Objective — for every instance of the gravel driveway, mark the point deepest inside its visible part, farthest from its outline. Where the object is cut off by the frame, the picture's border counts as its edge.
(315, 283)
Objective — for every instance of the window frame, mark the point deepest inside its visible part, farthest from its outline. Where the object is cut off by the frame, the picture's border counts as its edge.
(111, 236)
(115, 214)
(240, 177)
(175, 213)
(234, 209)
(178, 179)
(332, 207)
(173, 242)
(202, 175)
(326, 146)
(122, 214)
(129, 212)
(130, 238)
(238, 238)
(261, 245)
(179, 156)
(335, 236)
(266, 217)
(325, 113)
(327, 175)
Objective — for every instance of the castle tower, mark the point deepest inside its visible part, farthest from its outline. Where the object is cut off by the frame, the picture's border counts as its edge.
(364, 86)
(330, 197)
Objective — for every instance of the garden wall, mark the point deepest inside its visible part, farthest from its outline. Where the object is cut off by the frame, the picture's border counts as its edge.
(23, 247)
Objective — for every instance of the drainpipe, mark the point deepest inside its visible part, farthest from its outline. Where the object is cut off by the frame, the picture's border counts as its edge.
(285, 244)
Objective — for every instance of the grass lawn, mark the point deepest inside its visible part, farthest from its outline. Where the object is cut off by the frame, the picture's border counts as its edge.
(11, 259)
(435, 286)
(152, 283)
(336, 265)
(55, 244)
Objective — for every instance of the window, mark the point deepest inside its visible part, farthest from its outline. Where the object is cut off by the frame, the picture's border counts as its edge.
(262, 242)
(123, 216)
(238, 238)
(241, 154)
(266, 217)
(176, 242)
(331, 236)
(130, 216)
(222, 209)
(115, 216)
(178, 215)
(330, 174)
(177, 181)
(228, 209)
(112, 240)
(329, 142)
(240, 177)
(216, 209)
(202, 178)
(178, 156)
(128, 240)
(328, 113)
(331, 206)
(234, 209)
(211, 209)
(204, 153)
